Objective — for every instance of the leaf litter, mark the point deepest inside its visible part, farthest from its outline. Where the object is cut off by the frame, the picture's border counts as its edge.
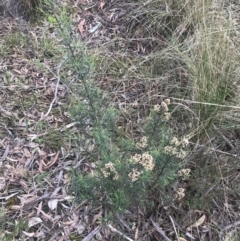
(33, 175)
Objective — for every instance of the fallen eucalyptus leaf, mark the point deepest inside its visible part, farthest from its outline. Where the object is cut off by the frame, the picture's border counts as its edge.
(95, 28)
(198, 223)
(34, 221)
(52, 204)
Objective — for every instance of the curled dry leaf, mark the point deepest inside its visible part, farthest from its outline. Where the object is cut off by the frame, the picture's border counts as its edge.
(52, 204)
(81, 26)
(95, 28)
(102, 4)
(198, 223)
(29, 234)
(181, 239)
(34, 221)
(80, 228)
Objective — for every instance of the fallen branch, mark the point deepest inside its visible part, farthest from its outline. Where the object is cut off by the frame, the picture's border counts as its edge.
(160, 231)
(120, 233)
(56, 91)
(92, 234)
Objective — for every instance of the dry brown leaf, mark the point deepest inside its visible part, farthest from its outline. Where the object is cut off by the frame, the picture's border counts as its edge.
(97, 216)
(102, 4)
(80, 228)
(81, 26)
(39, 234)
(54, 194)
(29, 234)
(39, 208)
(198, 223)
(34, 221)
(15, 207)
(46, 215)
(181, 239)
(52, 162)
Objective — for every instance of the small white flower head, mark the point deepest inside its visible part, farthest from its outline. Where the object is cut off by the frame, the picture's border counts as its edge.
(142, 143)
(164, 106)
(108, 170)
(146, 160)
(184, 173)
(136, 158)
(174, 151)
(184, 142)
(156, 108)
(181, 154)
(180, 194)
(175, 141)
(134, 175)
(167, 115)
(167, 101)
(168, 149)
(116, 176)
(135, 104)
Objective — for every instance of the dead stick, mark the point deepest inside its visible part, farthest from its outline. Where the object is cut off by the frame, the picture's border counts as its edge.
(160, 231)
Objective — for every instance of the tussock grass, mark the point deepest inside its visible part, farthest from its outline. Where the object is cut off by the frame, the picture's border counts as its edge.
(22, 9)
(197, 61)
(157, 99)
(187, 52)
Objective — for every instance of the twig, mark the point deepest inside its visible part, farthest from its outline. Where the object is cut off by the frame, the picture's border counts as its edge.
(138, 225)
(92, 234)
(227, 227)
(120, 233)
(160, 231)
(174, 227)
(224, 137)
(231, 225)
(199, 102)
(56, 91)
(4, 156)
(180, 228)
(123, 223)
(147, 2)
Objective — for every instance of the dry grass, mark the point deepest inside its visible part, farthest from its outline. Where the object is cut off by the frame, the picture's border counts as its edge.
(143, 53)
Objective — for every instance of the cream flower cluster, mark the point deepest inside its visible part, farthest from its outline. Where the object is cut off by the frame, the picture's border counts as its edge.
(163, 107)
(180, 193)
(184, 173)
(176, 147)
(134, 174)
(110, 169)
(145, 160)
(183, 142)
(142, 143)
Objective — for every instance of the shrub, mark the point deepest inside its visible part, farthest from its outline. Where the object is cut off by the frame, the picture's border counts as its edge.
(19, 9)
(125, 170)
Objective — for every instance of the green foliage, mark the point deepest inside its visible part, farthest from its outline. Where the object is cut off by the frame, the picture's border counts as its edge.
(126, 166)
(125, 173)
(53, 140)
(11, 230)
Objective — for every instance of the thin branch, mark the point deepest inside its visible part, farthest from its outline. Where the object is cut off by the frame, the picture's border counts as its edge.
(120, 233)
(160, 231)
(91, 235)
(56, 91)
(199, 102)
(174, 227)
(231, 225)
